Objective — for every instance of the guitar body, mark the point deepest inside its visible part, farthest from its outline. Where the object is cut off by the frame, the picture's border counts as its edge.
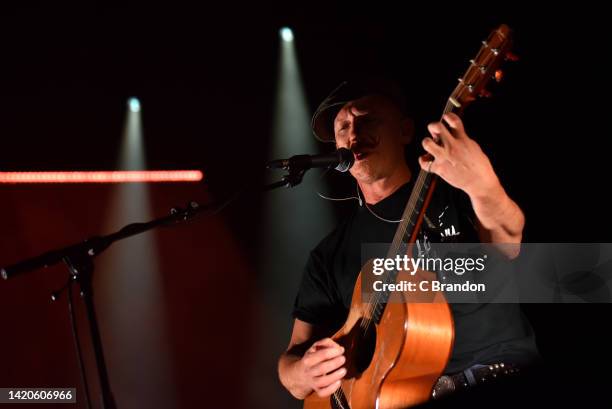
(395, 363)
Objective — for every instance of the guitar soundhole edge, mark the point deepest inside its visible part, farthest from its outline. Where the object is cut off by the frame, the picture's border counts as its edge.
(359, 345)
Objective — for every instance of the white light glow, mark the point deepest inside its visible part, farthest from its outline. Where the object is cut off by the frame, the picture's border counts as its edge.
(286, 34)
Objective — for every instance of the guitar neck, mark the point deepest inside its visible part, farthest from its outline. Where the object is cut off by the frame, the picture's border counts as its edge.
(410, 226)
(481, 70)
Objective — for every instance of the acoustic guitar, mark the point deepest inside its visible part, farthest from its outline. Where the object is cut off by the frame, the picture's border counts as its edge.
(396, 351)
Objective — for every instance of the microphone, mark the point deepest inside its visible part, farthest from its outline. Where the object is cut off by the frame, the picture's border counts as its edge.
(341, 160)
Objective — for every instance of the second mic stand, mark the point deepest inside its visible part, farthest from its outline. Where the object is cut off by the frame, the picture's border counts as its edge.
(79, 260)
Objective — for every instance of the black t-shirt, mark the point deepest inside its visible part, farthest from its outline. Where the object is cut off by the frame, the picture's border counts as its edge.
(484, 333)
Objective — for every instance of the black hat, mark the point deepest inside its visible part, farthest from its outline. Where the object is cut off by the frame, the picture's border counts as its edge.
(323, 118)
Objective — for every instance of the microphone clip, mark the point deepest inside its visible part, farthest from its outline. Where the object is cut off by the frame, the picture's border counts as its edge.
(294, 176)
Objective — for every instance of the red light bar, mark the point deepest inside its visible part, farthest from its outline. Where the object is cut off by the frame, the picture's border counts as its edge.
(128, 176)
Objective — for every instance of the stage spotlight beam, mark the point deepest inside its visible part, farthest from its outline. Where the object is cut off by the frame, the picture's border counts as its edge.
(134, 104)
(286, 34)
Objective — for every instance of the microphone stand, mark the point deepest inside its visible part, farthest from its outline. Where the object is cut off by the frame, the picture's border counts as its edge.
(79, 261)
(292, 178)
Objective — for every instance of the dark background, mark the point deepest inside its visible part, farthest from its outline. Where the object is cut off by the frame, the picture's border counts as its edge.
(206, 77)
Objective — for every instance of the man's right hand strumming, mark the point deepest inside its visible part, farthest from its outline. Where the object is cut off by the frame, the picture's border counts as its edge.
(319, 370)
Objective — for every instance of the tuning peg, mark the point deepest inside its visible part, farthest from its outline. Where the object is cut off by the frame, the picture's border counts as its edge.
(485, 93)
(499, 75)
(510, 56)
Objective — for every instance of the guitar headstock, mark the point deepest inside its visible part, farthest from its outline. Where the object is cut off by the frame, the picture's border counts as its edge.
(484, 68)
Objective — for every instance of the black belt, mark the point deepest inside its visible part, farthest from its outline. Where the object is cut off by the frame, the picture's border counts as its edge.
(474, 375)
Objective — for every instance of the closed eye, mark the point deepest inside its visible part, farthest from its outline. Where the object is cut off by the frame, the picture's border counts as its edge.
(344, 126)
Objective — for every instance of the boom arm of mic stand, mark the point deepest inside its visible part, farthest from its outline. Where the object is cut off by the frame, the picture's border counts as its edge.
(79, 260)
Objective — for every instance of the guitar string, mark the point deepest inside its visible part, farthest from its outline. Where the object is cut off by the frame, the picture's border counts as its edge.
(376, 300)
(376, 297)
(358, 198)
(419, 183)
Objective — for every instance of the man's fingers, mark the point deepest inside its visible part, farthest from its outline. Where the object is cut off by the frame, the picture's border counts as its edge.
(324, 381)
(331, 348)
(455, 123)
(314, 358)
(328, 366)
(432, 147)
(326, 343)
(439, 132)
(427, 162)
(325, 392)
(332, 380)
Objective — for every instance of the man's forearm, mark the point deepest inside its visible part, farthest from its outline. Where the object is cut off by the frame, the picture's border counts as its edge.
(500, 219)
(285, 365)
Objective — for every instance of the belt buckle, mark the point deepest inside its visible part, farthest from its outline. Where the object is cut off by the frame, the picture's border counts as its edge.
(444, 386)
